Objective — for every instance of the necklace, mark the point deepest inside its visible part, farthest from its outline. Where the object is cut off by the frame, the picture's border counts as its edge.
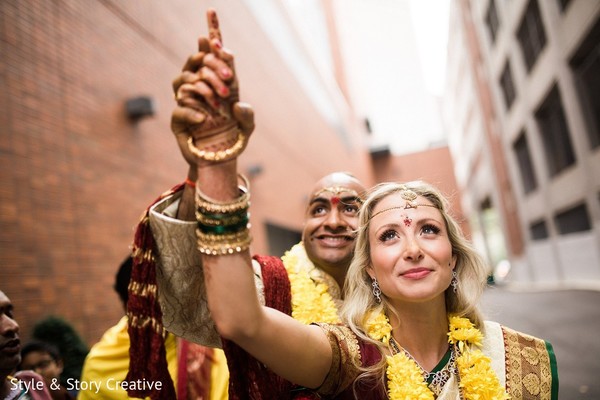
(438, 379)
(311, 298)
(406, 380)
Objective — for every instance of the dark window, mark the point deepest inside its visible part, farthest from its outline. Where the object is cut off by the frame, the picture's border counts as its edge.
(492, 21)
(523, 155)
(507, 85)
(538, 230)
(563, 4)
(586, 68)
(531, 35)
(575, 219)
(555, 133)
(281, 239)
(485, 204)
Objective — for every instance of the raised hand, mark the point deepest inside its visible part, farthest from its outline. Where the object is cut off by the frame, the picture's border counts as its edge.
(209, 122)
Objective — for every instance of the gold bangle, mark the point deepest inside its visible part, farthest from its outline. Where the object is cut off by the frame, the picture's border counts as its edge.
(220, 155)
(242, 203)
(206, 204)
(211, 238)
(214, 249)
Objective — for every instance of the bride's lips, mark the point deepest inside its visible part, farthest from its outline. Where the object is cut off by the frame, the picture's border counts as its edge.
(416, 273)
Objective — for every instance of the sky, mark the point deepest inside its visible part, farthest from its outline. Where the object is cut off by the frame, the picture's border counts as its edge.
(430, 20)
(394, 55)
(395, 52)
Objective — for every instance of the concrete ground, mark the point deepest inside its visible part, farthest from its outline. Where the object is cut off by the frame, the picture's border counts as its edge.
(568, 318)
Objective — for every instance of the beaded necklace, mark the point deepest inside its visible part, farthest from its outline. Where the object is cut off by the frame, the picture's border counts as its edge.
(406, 380)
(435, 380)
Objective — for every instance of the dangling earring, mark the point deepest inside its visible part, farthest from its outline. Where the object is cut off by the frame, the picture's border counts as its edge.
(376, 290)
(454, 281)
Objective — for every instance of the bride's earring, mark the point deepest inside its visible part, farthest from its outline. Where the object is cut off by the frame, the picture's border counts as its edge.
(376, 290)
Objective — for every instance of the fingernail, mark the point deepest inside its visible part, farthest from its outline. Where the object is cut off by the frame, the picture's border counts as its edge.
(226, 72)
(224, 91)
(218, 44)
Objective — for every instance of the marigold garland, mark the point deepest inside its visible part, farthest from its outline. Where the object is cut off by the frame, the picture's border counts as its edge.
(379, 327)
(311, 301)
(405, 380)
(478, 381)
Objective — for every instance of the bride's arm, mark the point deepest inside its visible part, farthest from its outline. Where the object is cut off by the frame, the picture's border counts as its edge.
(299, 353)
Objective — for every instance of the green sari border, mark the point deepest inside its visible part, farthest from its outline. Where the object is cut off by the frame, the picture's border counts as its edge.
(439, 366)
(553, 370)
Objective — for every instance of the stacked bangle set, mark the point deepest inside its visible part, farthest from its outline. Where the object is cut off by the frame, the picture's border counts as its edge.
(223, 227)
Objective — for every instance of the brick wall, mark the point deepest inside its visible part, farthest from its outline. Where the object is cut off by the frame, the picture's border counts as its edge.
(76, 174)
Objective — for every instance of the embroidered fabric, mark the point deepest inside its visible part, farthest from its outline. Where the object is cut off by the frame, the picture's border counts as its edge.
(345, 361)
(349, 355)
(493, 347)
(529, 366)
(180, 279)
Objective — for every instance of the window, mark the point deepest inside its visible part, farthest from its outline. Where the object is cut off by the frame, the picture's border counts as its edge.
(492, 232)
(538, 230)
(531, 35)
(586, 69)
(572, 220)
(555, 133)
(523, 155)
(563, 4)
(281, 238)
(508, 88)
(491, 19)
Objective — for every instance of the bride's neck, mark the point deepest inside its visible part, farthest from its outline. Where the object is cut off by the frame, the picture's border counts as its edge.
(423, 333)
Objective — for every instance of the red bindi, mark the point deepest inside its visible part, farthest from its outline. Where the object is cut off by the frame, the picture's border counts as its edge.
(335, 200)
(407, 221)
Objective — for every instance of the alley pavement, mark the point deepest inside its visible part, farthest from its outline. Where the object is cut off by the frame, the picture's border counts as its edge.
(568, 319)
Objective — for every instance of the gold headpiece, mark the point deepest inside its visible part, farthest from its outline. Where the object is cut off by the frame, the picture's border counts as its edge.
(411, 202)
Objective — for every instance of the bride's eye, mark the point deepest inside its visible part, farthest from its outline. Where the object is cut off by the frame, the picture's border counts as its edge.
(388, 235)
(430, 229)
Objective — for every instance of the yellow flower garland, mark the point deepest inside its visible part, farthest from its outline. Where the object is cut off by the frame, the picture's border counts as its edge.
(405, 381)
(311, 301)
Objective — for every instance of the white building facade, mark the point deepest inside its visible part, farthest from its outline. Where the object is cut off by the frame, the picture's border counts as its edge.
(522, 109)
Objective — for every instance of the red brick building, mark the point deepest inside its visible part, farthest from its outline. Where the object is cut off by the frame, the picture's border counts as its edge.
(76, 172)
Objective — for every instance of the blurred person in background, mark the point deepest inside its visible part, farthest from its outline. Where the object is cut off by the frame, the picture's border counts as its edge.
(45, 359)
(24, 385)
(108, 360)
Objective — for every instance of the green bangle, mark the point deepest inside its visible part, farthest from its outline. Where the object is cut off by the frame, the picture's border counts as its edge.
(221, 219)
(221, 216)
(222, 229)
